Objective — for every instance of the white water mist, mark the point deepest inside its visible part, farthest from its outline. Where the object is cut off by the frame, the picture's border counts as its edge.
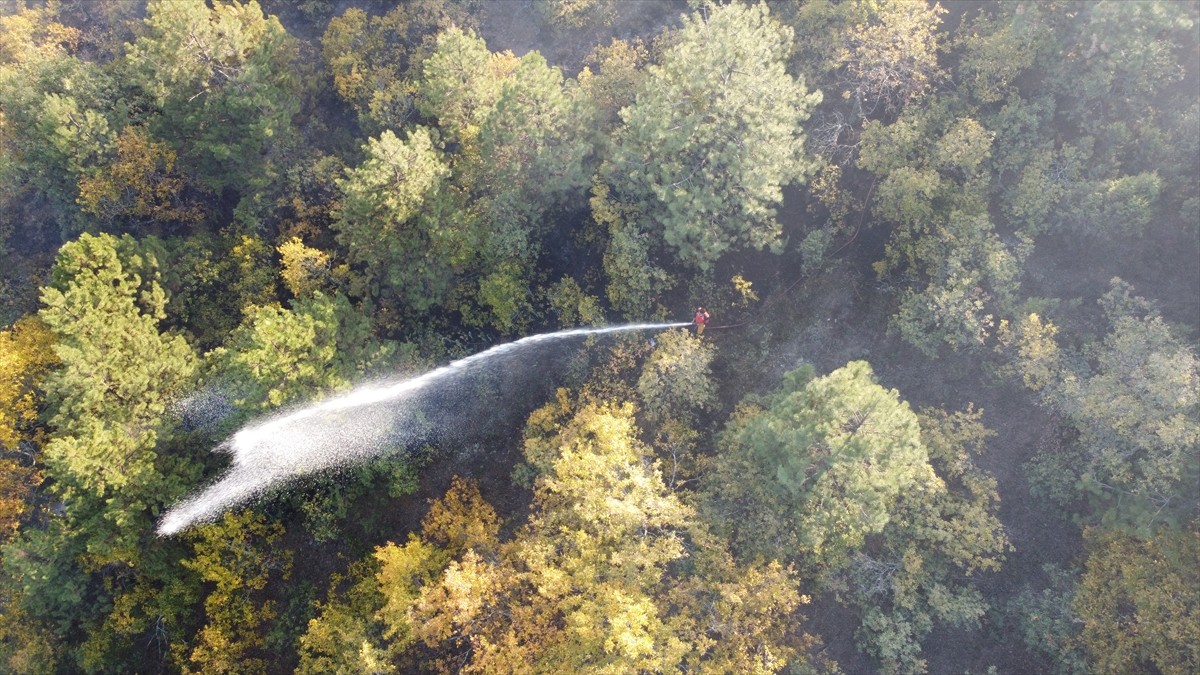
(334, 433)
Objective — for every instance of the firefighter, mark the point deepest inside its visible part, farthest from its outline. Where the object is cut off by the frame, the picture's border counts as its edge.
(701, 320)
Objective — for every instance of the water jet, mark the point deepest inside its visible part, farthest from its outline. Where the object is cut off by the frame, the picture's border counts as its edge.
(344, 430)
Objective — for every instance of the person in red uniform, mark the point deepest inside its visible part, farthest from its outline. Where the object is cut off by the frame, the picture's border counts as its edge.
(701, 320)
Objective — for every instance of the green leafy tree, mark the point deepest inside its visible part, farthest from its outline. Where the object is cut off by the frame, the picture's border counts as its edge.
(370, 56)
(1046, 621)
(1000, 44)
(713, 136)
(676, 381)
(460, 83)
(1133, 398)
(620, 68)
(213, 278)
(56, 125)
(942, 532)
(933, 163)
(223, 82)
(576, 13)
(280, 356)
(817, 468)
(108, 400)
(572, 305)
(1108, 63)
(634, 277)
(533, 144)
(380, 221)
(523, 137)
(87, 571)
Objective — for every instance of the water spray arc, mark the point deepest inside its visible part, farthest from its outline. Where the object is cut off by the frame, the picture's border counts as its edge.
(334, 433)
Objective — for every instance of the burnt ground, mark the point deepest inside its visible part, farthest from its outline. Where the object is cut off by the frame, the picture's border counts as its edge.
(515, 25)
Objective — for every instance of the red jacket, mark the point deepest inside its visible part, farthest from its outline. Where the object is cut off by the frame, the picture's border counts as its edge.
(700, 318)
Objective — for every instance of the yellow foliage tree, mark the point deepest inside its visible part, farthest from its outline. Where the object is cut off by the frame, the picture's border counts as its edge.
(462, 520)
(26, 353)
(304, 269)
(1139, 602)
(237, 554)
(140, 185)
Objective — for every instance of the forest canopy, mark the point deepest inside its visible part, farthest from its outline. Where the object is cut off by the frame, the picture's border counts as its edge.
(944, 415)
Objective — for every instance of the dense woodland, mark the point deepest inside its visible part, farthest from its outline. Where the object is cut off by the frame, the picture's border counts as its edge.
(945, 417)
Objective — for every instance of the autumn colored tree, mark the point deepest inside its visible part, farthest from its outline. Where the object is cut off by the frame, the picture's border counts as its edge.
(676, 381)
(304, 269)
(1139, 603)
(26, 356)
(588, 584)
(139, 187)
(891, 59)
(238, 555)
(368, 625)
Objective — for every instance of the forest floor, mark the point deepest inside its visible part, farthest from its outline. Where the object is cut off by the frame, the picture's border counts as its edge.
(515, 25)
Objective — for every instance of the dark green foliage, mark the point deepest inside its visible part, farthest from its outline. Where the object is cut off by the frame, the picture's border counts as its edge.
(1046, 621)
(942, 533)
(223, 84)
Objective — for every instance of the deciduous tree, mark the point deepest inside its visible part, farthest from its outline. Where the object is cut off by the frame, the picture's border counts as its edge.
(943, 531)
(1139, 602)
(1133, 397)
